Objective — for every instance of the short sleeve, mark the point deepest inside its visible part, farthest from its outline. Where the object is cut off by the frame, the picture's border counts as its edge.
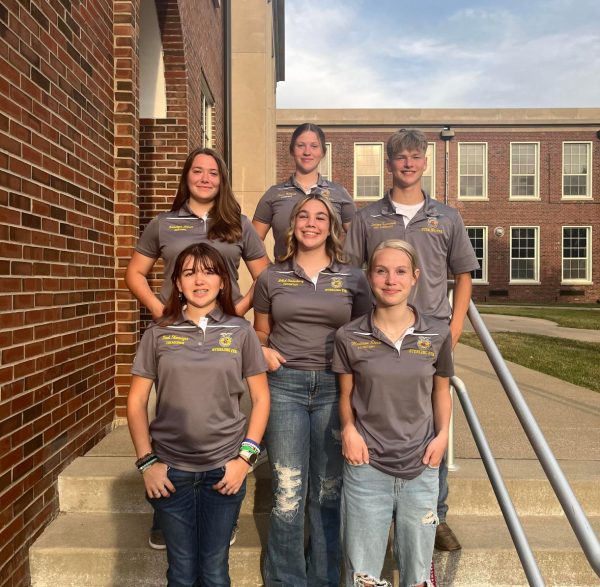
(252, 245)
(144, 363)
(348, 206)
(341, 361)
(461, 256)
(264, 210)
(444, 365)
(261, 301)
(362, 302)
(149, 243)
(253, 361)
(354, 243)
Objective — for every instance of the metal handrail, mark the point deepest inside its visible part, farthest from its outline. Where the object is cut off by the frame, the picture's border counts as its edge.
(530, 566)
(574, 512)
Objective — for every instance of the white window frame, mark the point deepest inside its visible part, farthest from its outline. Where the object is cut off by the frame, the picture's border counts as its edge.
(588, 175)
(381, 176)
(484, 260)
(430, 171)
(588, 264)
(536, 178)
(327, 160)
(484, 184)
(536, 260)
(207, 106)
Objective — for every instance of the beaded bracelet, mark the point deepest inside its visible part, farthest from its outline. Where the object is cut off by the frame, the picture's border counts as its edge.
(143, 460)
(148, 465)
(251, 442)
(249, 448)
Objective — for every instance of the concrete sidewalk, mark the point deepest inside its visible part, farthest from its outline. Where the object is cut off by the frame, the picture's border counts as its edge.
(568, 415)
(504, 323)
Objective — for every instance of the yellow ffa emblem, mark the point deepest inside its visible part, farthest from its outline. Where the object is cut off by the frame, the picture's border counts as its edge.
(433, 222)
(225, 339)
(424, 343)
(325, 193)
(337, 282)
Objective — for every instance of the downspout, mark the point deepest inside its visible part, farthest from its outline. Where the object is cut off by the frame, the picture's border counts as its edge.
(446, 136)
(227, 155)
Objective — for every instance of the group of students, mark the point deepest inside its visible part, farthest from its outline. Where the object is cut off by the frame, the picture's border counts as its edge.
(347, 368)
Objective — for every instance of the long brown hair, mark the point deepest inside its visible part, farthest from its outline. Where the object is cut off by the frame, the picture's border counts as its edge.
(225, 214)
(308, 127)
(333, 244)
(206, 257)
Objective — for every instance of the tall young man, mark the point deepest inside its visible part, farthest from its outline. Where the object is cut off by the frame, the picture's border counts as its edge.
(438, 234)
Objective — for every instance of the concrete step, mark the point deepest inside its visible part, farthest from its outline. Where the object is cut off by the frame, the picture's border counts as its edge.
(111, 483)
(101, 550)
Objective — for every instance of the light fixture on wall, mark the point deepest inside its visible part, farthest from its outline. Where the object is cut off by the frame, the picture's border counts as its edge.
(499, 231)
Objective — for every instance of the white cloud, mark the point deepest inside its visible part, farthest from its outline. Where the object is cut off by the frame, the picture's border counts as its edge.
(345, 55)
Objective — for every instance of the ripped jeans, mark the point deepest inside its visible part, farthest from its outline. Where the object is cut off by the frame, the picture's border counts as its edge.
(303, 443)
(371, 500)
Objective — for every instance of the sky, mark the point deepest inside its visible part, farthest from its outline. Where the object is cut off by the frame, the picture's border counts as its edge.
(441, 54)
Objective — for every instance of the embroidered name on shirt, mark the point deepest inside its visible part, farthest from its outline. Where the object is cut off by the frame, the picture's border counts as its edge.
(180, 227)
(174, 340)
(290, 282)
(421, 352)
(366, 346)
(432, 230)
(383, 225)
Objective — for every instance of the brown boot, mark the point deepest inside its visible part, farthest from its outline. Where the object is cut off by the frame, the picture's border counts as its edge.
(445, 539)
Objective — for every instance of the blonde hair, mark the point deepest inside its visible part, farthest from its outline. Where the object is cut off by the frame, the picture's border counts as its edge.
(333, 244)
(398, 245)
(406, 140)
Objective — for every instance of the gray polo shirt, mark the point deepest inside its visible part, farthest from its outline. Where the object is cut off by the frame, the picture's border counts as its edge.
(171, 232)
(438, 234)
(276, 205)
(199, 376)
(392, 390)
(306, 315)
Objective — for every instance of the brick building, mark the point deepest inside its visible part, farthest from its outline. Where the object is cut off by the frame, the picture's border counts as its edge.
(100, 102)
(527, 183)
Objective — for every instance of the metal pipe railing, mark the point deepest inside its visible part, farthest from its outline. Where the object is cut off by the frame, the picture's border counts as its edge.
(530, 566)
(581, 527)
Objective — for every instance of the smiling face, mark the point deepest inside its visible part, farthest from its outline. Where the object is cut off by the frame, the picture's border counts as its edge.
(307, 152)
(392, 277)
(203, 179)
(200, 286)
(407, 167)
(312, 225)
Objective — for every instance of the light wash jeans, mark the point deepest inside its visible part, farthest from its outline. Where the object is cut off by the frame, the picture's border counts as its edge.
(197, 522)
(303, 443)
(371, 500)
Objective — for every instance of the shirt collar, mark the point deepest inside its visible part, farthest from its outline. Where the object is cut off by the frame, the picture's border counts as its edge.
(429, 207)
(186, 211)
(215, 315)
(368, 324)
(321, 182)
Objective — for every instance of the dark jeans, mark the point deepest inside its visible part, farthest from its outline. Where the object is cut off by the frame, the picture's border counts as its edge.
(197, 522)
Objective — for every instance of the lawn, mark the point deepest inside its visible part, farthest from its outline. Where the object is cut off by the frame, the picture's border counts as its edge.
(569, 360)
(569, 318)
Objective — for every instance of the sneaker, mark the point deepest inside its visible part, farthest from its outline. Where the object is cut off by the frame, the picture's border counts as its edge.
(157, 540)
(364, 580)
(234, 534)
(445, 539)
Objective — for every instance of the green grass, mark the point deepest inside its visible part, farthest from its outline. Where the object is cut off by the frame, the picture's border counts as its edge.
(569, 360)
(583, 318)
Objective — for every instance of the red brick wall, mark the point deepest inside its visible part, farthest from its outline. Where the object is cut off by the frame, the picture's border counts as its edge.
(550, 213)
(57, 307)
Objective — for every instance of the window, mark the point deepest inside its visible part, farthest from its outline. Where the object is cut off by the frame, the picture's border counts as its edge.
(576, 254)
(368, 170)
(524, 258)
(428, 178)
(472, 165)
(577, 165)
(325, 165)
(524, 170)
(207, 106)
(478, 237)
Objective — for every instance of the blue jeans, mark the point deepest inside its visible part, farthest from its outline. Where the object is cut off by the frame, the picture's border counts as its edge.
(371, 500)
(197, 522)
(303, 441)
(442, 505)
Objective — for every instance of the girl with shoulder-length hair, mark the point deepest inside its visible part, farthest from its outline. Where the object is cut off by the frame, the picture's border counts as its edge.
(204, 210)
(307, 148)
(298, 305)
(196, 453)
(393, 366)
